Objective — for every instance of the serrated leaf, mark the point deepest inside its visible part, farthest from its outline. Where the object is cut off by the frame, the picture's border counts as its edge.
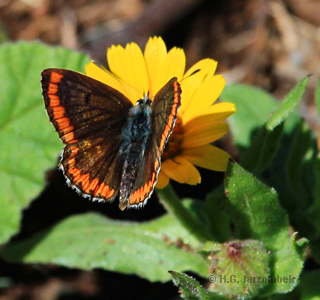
(288, 105)
(191, 289)
(92, 241)
(253, 108)
(256, 213)
(29, 144)
(239, 268)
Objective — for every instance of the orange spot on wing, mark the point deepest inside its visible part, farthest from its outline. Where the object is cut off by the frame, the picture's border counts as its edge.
(69, 138)
(52, 88)
(103, 191)
(73, 150)
(63, 123)
(84, 180)
(58, 112)
(54, 102)
(55, 77)
(99, 190)
(92, 186)
(107, 192)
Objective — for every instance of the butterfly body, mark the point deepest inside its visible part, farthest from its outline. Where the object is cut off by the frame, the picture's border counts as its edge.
(136, 136)
(111, 146)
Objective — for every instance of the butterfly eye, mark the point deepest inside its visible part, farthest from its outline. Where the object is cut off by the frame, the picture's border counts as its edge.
(144, 101)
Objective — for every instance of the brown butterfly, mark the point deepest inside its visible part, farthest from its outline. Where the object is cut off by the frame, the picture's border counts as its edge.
(111, 146)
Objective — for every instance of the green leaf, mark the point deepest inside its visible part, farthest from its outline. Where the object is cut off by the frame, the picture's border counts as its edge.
(266, 141)
(263, 149)
(316, 169)
(296, 181)
(191, 289)
(255, 208)
(253, 108)
(29, 144)
(189, 214)
(256, 214)
(218, 221)
(310, 288)
(288, 105)
(301, 155)
(239, 268)
(292, 174)
(91, 241)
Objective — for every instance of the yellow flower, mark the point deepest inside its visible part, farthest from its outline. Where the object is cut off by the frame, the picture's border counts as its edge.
(199, 122)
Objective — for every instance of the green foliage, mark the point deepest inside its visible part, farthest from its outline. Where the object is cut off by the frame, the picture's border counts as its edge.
(253, 108)
(310, 288)
(256, 213)
(118, 246)
(257, 226)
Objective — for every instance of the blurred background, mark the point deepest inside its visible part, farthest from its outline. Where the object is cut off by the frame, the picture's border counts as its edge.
(269, 44)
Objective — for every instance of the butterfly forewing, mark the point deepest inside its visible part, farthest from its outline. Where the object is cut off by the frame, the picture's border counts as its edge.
(88, 116)
(164, 114)
(165, 108)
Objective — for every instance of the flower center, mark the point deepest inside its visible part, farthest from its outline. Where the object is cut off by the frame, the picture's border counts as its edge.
(173, 147)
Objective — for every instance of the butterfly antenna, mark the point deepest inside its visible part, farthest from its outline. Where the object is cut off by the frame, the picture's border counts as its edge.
(117, 79)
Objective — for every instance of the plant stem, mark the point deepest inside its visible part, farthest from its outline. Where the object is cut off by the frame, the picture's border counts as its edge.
(190, 222)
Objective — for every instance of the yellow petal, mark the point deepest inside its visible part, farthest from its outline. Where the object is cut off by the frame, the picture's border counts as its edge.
(220, 111)
(216, 115)
(181, 170)
(129, 65)
(205, 66)
(155, 54)
(173, 66)
(117, 62)
(95, 72)
(205, 95)
(193, 78)
(197, 133)
(208, 157)
(163, 180)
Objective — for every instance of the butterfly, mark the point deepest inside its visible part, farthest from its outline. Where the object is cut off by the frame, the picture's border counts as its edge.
(111, 146)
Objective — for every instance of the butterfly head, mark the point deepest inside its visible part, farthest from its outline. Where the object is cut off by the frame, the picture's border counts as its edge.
(145, 100)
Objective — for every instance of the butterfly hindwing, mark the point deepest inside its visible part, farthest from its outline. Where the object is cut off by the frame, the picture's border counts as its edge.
(88, 116)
